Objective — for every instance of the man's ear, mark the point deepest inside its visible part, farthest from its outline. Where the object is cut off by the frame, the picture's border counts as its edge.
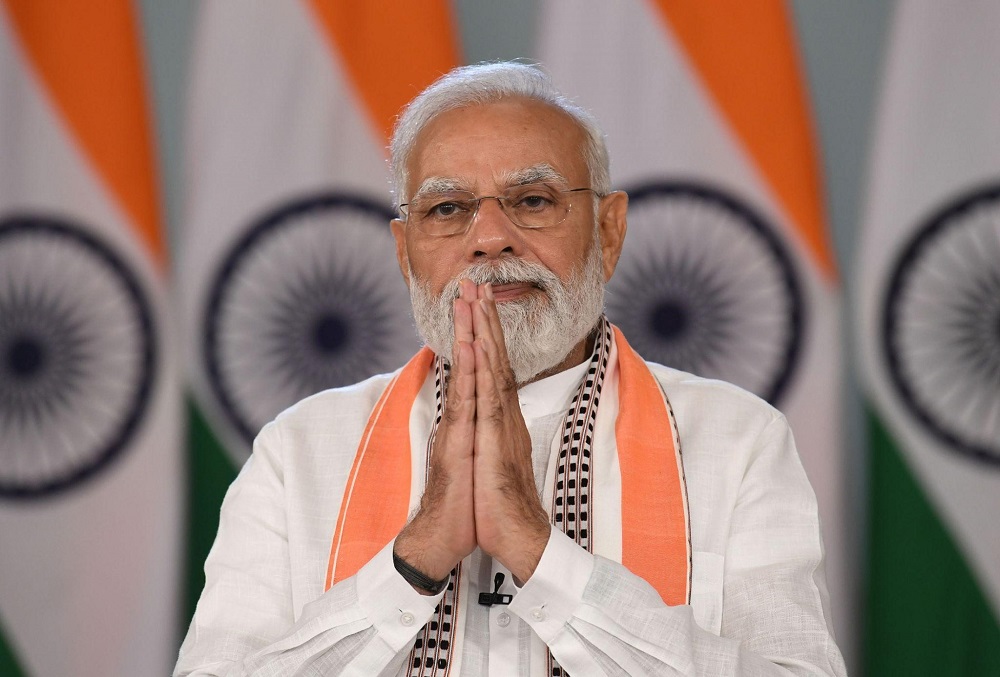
(398, 229)
(612, 225)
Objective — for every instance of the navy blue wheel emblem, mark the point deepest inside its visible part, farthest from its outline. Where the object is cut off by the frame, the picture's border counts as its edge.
(706, 286)
(941, 325)
(77, 355)
(310, 298)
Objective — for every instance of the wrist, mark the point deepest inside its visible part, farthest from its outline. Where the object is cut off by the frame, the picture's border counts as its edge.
(525, 552)
(418, 579)
(424, 543)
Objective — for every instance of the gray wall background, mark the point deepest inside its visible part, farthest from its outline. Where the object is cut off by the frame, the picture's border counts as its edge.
(842, 45)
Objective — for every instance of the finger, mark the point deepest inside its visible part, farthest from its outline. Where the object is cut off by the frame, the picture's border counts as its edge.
(493, 313)
(483, 330)
(462, 318)
(487, 324)
(460, 401)
(462, 314)
(498, 414)
(488, 407)
(467, 290)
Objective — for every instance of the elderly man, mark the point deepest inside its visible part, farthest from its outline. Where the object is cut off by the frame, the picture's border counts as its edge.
(526, 496)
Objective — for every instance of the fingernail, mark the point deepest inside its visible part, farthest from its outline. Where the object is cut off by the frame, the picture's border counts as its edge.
(489, 290)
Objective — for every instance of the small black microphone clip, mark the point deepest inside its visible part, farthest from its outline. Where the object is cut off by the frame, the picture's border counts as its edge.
(491, 598)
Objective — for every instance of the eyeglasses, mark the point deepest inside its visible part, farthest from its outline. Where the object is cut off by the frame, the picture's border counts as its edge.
(533, 205)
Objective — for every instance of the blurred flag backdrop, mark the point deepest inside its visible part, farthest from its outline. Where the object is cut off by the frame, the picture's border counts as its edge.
(288, 271)
(727, 270)
(288, 284)
(89, 399)
(929, 330)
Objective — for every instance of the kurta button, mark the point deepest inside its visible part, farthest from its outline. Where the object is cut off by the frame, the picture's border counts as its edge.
(538, 614)
(406, 618)
(503, 619)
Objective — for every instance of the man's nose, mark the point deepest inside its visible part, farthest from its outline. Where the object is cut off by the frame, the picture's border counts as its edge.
(492, 233)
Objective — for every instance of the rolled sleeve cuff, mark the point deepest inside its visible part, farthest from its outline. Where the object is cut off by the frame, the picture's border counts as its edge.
(551, 597)
(395, 609)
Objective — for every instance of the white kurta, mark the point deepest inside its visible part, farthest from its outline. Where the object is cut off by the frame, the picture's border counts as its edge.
(759, 603)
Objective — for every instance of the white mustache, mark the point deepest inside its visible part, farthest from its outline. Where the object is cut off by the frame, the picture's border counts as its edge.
(504, 271)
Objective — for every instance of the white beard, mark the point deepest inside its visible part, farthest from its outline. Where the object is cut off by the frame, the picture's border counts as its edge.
(539, 330)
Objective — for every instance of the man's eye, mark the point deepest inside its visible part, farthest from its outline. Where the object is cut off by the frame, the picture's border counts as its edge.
(534, 201)
(444, 210)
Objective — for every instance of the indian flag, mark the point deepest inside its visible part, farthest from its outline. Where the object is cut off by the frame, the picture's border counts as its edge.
(90, 445)
(929, 329)
(727, 270)
(288, 274)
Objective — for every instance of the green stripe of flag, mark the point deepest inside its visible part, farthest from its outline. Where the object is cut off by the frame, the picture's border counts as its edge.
(9, 665)
(926, 614)
(210, 472)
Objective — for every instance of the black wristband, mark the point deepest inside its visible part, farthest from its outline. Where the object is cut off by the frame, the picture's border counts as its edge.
(417, 578)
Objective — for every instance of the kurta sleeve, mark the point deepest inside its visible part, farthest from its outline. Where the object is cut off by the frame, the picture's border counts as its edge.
(599, 618)
(244, 624)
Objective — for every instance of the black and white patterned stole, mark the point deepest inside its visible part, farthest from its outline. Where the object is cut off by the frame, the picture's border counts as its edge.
(571, 503)
(431, 654)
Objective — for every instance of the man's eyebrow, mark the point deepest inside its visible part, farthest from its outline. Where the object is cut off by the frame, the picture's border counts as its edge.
(540, 173)
(439, 184)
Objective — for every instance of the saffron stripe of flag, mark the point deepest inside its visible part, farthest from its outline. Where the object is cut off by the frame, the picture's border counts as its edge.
(727, 270)
(288, 273)
(89, 415)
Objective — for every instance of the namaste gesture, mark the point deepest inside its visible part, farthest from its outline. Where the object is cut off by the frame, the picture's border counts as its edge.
(481, 487)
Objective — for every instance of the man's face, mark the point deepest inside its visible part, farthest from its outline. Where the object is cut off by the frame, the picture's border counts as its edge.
(486, 149)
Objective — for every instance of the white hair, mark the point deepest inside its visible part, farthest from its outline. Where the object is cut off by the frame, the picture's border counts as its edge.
(487, 83)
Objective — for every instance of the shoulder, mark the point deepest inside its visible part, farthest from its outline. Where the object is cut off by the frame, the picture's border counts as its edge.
(737, 450)
(337, 412)
(311, 445)
(703, 401)
(723, 428)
